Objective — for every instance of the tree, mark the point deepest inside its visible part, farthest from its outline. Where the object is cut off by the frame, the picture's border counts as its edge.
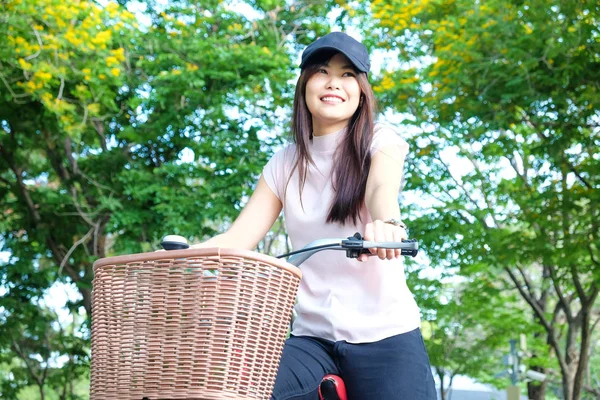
(114, 133)
(510, 89)
(470, 330)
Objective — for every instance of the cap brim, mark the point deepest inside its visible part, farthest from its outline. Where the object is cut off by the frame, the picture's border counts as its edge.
(352, 59)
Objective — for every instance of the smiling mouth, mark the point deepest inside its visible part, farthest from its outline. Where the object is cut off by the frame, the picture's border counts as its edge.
(332, 99)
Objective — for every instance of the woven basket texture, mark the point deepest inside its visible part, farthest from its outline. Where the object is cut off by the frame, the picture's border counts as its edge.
(189, 324)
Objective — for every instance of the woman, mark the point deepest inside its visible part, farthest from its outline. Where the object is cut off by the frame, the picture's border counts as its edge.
(356, 319)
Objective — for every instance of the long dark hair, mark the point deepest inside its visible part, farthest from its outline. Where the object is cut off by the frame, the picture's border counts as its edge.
(352, 158)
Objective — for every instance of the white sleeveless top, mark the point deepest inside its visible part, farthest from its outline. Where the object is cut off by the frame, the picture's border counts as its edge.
(339, 298)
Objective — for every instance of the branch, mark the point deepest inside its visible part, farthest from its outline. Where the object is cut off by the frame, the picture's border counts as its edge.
(577, 283)
(537, 130)
(527, 281)
(460, 185)
(592, 255)
(542, 318)
(481, 221)
(523, 207)
(69, 153)
(55, 160)
(100, 129)
(60, 90)
(523, 176)
(23, 190)
(85, 117)
(20, 353)
(93, 182)
(561, 298)
(72, 249)
(78, 208)
(592, 297)
(557, 308)
(462, 217)
(594, 324)
(12, 93)
(483, 191)
(39, 39)
(589, 389)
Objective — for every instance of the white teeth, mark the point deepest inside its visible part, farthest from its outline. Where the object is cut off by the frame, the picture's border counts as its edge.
(332, 99)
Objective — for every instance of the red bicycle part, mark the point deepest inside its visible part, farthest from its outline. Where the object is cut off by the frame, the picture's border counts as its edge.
(332, 387)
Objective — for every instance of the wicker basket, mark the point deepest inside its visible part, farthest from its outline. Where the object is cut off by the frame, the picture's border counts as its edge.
(189, 324)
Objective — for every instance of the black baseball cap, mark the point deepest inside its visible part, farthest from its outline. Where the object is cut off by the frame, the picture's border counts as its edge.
(338, 41)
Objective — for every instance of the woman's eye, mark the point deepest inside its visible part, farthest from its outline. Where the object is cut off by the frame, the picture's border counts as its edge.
(323, 71)
(349, 74)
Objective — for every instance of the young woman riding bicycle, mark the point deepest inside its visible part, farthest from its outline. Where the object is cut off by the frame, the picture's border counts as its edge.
(355, 318)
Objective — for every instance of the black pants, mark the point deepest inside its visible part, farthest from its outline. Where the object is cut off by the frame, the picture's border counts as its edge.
(395, 368)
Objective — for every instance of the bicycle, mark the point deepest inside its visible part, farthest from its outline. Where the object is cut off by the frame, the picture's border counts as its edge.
(233, 320)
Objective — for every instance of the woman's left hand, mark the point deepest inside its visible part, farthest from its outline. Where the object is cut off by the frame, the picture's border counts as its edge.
(379, 231)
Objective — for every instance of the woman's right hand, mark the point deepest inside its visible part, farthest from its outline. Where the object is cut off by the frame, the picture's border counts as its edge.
(379, 231)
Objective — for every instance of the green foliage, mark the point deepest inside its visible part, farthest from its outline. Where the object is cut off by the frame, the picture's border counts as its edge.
(115, 132)
(505, 97)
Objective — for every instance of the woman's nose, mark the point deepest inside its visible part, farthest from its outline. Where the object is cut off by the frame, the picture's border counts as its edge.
(333, 83)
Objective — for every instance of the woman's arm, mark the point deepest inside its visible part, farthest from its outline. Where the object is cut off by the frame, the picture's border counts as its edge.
(381, 199)
(253, 223)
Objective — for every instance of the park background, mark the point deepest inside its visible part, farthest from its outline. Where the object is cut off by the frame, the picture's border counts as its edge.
(121, 122)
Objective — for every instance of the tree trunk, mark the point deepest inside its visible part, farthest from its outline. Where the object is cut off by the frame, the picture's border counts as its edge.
(441, 375)
(87, 300)
(536, 390)
(584, 352)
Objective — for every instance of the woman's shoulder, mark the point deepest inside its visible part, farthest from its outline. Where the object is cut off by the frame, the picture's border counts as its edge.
(288, 151)
(385, 134)
(283, 156)
(385, 128)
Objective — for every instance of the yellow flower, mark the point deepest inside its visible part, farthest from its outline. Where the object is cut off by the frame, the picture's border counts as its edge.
(94, 108)
(24, 64)
(31, 86)
(43, 76)
(102, 37)
(112, 9)
(111, 60)
(71, 38)
(115, 71)
(102, 76)
(387, 83)
(119, 53)
(47, 98)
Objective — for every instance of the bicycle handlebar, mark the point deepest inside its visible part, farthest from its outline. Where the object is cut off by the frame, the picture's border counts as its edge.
(354, 247)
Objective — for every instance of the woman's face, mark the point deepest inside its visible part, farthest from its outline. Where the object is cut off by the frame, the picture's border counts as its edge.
(332, 95)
